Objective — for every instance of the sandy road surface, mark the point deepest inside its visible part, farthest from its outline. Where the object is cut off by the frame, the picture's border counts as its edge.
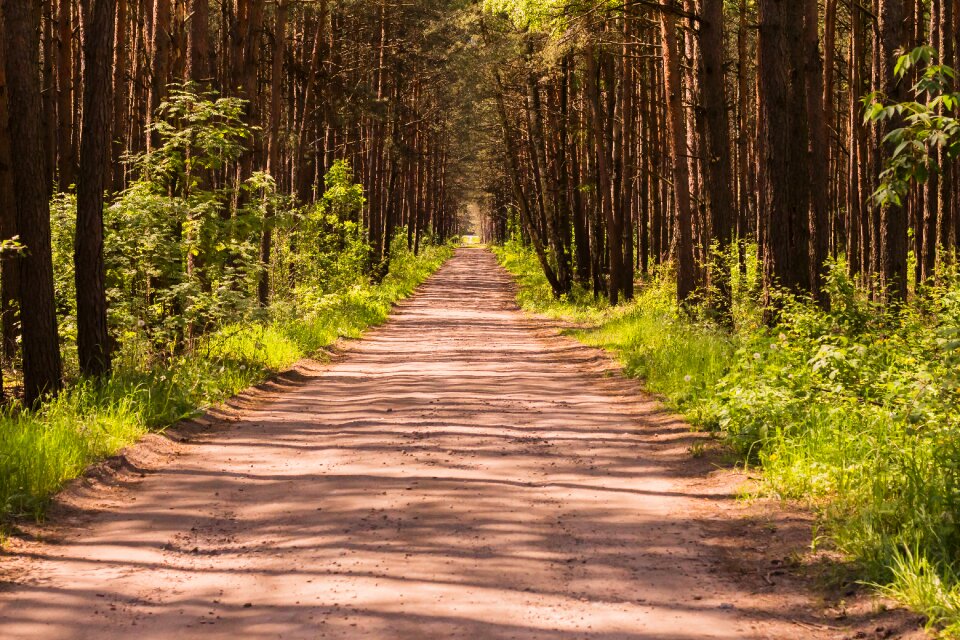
(460, 473)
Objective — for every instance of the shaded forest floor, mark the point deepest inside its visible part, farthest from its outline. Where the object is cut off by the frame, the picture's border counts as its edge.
(464, 471)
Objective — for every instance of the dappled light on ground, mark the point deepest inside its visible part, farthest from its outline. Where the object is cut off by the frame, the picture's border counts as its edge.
(460, 473)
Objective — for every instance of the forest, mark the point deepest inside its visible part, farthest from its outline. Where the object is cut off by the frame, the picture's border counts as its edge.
(754, 205)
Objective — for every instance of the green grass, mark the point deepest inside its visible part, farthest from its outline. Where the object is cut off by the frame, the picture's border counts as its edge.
(855, 411)
(923, 587)
(675, 357)
(40, 451)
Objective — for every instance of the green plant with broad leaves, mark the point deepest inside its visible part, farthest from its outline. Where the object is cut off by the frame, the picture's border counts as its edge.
(922, 126)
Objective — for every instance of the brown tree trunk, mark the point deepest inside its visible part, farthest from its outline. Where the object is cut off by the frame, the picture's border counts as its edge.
(834, 185)
(198, 43)
(9, 266)
(41, 343)
(121, 77)
(677, 139)
(893, 37)
(581, 234)
(856, 220)
(744, 166)
(65, 144)
(720, 181)
(627, 167)
(89, 273)
(316, 59)
(783, 117)
(599, 120)
(273, 148)
(159, 61)
(936, 231)
(248, 79)
(546, 197)
(819, 163)
(48, 91)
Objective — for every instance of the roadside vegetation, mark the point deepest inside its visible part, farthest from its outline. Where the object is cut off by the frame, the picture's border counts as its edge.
(194, 315)
(40, 451)
(854, 411)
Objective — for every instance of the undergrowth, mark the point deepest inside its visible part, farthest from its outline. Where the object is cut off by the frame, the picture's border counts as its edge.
(40, 451)
(855, 411)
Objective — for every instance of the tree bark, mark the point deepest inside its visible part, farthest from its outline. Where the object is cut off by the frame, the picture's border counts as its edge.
(41, 343)
(159, 61)
(9, 266)
(273, 148)
(89, 273)
(66, 155)
(819, 161)
(121, 78)
(783, 117)
(720, 180)
(198, 43)
(677, 143)
(893, 37)
(600, 126)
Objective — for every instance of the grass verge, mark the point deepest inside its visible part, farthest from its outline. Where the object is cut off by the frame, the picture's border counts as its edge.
(40, 451)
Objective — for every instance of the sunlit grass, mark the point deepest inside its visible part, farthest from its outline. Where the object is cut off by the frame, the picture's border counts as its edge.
(534, 293)
(923, 587)
(674, 356)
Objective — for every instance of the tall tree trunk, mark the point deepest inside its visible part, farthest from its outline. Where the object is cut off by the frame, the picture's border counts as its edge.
(159, 61)
(248, 81)
(198, 43)
(41, 343)
(783, 114)
(89, 273)
(936, 232)
(893, 38)
(599, 119)
(856, 220)
(827, 97)
(273, 148)
(547, 198)
(316, 60)
(819, 163)
(581, 234)
(720, 181)
(48, 90)
(744, 166)
(9, 265)
(121, 78)
(677, 139)
(628, 131)
(65, 144)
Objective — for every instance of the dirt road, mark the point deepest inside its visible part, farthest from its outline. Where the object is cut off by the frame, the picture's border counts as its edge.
(459, 473)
